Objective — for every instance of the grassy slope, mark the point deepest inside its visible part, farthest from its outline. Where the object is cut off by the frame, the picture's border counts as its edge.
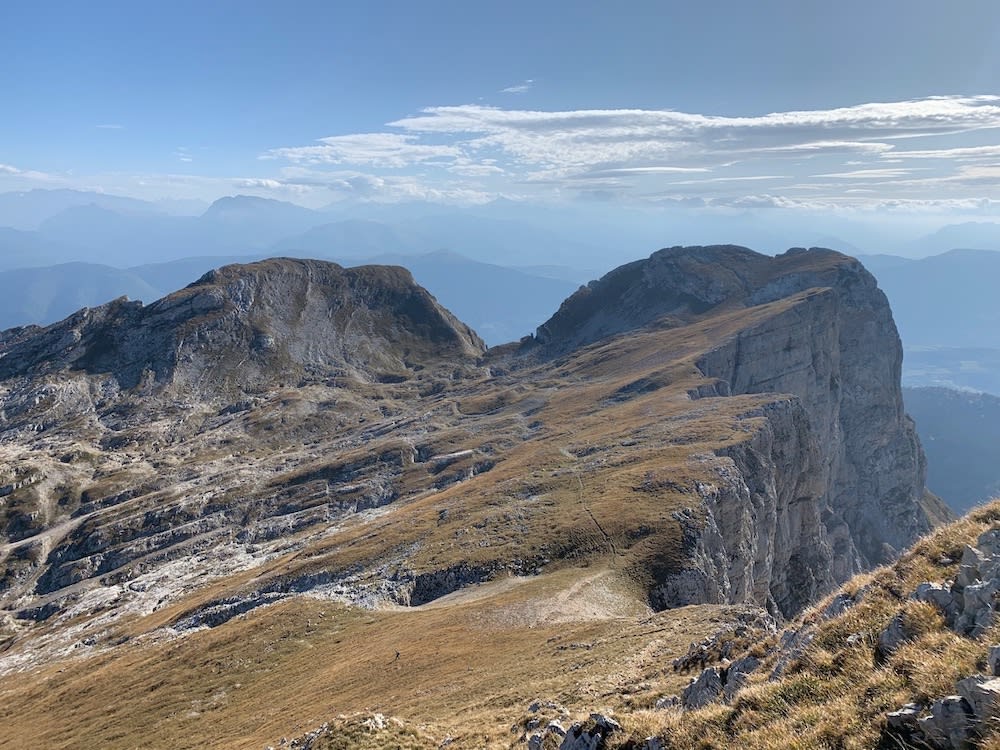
(580, 633)
(467, 669)
(835, 695)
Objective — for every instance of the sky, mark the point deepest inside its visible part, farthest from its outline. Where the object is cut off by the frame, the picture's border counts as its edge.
(774, 105)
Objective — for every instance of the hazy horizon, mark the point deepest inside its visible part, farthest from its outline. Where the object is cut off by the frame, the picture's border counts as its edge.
(772, 126)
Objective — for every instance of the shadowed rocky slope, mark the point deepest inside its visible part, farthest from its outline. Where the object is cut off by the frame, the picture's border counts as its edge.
(708, 427)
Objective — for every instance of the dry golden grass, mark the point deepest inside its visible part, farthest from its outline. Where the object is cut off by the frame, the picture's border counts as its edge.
(836, 695)
(468, 668)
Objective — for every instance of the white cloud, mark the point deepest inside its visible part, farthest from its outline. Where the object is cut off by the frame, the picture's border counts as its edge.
(28, 175)
(375, 149)
(110, 126)
(630, 171)
(476, 170)
(868, 174)
(958, 154)
(826, 147)
(770, 201)
(271, 185)
(471, 153)
(734, 178)
(383, 188)
(519, 88)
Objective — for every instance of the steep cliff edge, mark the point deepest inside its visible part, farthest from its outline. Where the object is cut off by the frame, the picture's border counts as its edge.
(830, 341)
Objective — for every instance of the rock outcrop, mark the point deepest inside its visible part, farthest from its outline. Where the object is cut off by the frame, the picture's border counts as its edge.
(834, 483)
(968, 606)
(244, 327)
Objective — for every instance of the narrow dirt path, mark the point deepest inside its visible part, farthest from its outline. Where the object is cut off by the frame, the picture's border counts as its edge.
(581, 495)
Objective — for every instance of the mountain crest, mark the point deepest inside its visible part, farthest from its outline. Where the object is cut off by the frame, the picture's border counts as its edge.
(243, 325)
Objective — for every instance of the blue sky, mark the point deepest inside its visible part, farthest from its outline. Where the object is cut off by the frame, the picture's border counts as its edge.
(808, 106)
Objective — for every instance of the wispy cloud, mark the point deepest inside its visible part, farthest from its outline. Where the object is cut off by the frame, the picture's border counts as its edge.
(375, 149)
(27, 175)
(600, 136)
(344, 184)
(959, 154)
(110, 126)
(868, 174)
(920, 152)
(519, 88)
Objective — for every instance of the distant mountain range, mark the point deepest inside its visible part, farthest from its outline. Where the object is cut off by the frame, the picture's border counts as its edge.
(115, 230)
(88, 247)
(40, 228)
(983, 235)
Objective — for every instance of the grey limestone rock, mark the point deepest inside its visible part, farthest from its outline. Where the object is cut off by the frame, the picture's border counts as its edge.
(837, 606)
(949, 726)
(982, 694)
(905, 719)
(892, 637)
(941, 597)
(832, 480)
(737, 675)
(706, 688)
(993, 659)
(590, 735)
(237, 326)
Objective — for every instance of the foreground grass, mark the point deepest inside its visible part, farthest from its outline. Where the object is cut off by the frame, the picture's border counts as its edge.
(835, 696)
(468, 669)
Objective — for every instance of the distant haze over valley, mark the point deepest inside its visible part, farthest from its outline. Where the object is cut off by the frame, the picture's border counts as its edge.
(63, 249)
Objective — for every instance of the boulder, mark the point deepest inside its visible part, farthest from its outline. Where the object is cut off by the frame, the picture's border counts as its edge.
(949, 725)
(553, 729)
(993, 659)
(968, 571)
(941, 597)
(837, 606)
(904, 721)
(894, 636)
(591, 735)
(738, 674)
(706, 688)
(982, 694)
(977, 610)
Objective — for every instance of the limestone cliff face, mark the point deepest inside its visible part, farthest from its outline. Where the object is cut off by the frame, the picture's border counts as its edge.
(759, 535)
(819, 491)
(837, 349)
(238, 326)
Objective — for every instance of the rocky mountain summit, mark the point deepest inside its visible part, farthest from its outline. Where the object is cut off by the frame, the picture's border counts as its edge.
(702, 439)
(240, 328)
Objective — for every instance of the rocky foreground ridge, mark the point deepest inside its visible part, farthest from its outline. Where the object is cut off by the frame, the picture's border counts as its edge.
(698, 436)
